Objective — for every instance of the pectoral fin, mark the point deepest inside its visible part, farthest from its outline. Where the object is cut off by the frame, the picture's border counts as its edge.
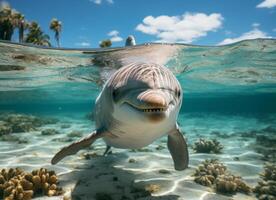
(76, 146)
(178, 149)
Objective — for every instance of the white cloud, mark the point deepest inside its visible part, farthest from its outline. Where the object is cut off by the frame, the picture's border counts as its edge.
(116, 39)
(113, 33)
(83, 44)
(267, 4)
(185, 28)
(110, 1)
(255, 25)
(227, 32)
(274, 30)
(98, 2)
(115, 36)
(253, 34)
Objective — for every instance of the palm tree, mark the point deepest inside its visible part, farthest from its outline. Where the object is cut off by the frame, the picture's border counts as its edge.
(19, 22)
(9, 20)
(55, 25)
(105, 43)
(6, 26)
(22, 26)
(36, 35)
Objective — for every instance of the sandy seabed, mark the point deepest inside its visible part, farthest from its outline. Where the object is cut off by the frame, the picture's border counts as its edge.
(125, 173)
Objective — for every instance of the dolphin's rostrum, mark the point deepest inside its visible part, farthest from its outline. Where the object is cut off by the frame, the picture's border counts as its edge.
(138, 104)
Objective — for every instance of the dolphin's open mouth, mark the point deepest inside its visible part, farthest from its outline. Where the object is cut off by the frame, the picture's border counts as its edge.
(146, 110)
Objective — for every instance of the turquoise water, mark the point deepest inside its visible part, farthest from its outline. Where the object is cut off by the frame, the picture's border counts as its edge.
(229, 94)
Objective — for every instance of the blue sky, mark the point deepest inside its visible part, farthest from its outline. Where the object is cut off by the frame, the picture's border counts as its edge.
(203, 22)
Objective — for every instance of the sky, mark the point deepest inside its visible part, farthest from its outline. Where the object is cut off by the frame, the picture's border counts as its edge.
(201, 22)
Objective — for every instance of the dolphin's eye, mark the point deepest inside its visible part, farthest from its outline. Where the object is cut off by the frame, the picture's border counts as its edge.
(114, 93)
(177, 93)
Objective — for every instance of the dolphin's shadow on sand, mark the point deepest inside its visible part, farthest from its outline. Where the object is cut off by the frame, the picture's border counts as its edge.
(102, 178)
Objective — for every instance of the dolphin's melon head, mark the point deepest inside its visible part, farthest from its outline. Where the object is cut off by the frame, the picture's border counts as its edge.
(146, 92)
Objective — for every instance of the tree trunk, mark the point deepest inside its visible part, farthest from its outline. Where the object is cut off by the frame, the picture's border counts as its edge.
(57, 38)
(21, 32)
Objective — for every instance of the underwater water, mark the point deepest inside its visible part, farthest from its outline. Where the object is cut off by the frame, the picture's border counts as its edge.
(229, 95)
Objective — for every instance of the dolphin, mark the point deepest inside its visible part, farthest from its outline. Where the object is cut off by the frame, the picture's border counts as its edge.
(138, 104)
(130, 41)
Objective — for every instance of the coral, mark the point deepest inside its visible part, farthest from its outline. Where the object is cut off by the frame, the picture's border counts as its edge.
(269, 173)
(219, 134)
(160, 147)
(15, 184)
(141, 150)
(11, 67)
(17, 123)
(75, 134)
(230, 184)
(208, 171)
(266, 145)
(49, 131)
(266, 140)
(207, 146)
(152, 188)
(65, 139)
(266, 189)
(13, 138)
(132, 160)
(212, 173)
(65, 126)
(164, 171)
(4, 128)
(139, 191)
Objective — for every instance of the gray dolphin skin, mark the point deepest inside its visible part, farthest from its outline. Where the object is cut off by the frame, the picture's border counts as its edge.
(138, 104)
(130, 41)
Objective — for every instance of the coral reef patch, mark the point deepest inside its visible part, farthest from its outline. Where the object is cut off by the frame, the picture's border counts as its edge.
(207, 146)
(266, 189)
(17, 123)
(214, 174)
(16, 184)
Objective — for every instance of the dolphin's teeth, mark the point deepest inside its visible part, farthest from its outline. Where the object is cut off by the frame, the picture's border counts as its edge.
(153, 110)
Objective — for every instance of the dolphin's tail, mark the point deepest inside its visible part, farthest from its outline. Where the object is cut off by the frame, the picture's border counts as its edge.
(75, 147)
